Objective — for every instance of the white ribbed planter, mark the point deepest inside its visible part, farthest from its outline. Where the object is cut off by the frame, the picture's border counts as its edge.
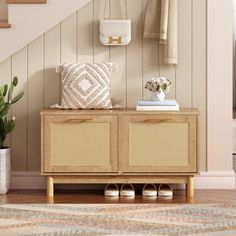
(5, 170)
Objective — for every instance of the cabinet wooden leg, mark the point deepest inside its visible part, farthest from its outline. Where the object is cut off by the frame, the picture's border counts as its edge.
(50, 186)
(190, 186)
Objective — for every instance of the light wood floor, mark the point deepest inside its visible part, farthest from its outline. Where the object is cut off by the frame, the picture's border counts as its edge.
(96, 196)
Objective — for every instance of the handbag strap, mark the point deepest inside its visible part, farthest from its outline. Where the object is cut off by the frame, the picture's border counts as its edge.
(121, 7)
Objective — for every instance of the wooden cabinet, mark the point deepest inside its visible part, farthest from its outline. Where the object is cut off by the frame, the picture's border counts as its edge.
(119, 146)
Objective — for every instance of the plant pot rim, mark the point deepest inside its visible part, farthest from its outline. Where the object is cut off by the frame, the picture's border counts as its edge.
(4, 150)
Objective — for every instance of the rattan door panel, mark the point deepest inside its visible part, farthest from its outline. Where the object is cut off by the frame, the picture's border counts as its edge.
(158, 144)
(80, 144)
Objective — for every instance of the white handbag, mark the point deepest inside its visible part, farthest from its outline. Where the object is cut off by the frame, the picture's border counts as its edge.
(115, 32)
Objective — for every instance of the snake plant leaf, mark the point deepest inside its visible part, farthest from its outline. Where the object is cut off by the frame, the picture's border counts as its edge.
(2, 127)
(10, 126)
(15, 81)
(5, 109)
(17, 98)
(5, 88)
(2, 133)
(2, 103)
(10, 91)
(5, 120)
(1, 90)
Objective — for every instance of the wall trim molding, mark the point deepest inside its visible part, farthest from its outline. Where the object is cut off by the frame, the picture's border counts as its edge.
(215, 180)
(205, 180)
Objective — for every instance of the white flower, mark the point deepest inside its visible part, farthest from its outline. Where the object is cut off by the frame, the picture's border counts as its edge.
(158, 83)
(13, 118)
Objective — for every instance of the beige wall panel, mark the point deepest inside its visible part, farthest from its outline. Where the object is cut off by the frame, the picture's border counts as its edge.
(101, 53)
(5, 78)
(20, 110)
(68, 39)
(167, 72)
(150, 58)
(118, 56)
(183, 71)
(219, 78)
(134, 54)
(199, 74)
(52, 60)
(35, 100)
(85, 34)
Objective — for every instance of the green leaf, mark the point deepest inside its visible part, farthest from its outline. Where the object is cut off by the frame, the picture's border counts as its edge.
(2, 103)
(10, 91)
(17, 98)
(1, 90)
(10, 126)
(5, 109)
(2, 133)
(2, 129)
(5, 121)
(5, 90)
(15, 81)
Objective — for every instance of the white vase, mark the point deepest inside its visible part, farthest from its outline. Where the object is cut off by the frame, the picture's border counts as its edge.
(5, 170)
(158, 96)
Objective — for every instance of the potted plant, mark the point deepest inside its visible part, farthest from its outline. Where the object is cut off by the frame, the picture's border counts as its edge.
(7, 125)
(158, 86)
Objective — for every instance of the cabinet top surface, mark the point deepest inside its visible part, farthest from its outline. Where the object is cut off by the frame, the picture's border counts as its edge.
(182, 111)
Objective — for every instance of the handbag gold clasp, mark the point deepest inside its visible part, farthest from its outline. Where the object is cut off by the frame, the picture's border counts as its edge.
(118, 40)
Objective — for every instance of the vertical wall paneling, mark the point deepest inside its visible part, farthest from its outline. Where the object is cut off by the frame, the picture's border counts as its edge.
(134, 54)
(167, 72)
(5, 78)
(183, 70)
(150, 57)
(68, 39)
(85, 34)
(77, 39)
(199, 74)
(118, 56)
(35, 100)
(101, 53)
(234, 54)
(52, 59)
(219, 78)
(20, 111)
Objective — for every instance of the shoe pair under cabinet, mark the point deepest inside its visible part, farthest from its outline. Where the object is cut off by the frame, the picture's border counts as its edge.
(119, 147)
(127, 190)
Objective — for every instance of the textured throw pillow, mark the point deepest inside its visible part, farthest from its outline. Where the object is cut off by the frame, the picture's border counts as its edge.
(86, 86)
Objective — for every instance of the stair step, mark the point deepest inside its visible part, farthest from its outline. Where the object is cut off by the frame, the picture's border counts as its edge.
(4, 24)
(25, 1)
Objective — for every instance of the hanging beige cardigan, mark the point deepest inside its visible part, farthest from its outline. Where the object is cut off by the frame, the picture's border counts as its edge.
(161, 23)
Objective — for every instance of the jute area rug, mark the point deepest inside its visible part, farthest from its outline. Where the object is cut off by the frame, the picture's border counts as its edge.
(117, 219)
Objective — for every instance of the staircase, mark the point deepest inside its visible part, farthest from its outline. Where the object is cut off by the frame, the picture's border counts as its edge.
(4, 10)
(22, 21)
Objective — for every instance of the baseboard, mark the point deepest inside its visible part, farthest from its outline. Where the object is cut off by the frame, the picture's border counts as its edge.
(205, 180)
(27, 180)
(215, 180)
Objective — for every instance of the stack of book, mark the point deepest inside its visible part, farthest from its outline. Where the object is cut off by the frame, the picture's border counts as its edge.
(166, 105)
